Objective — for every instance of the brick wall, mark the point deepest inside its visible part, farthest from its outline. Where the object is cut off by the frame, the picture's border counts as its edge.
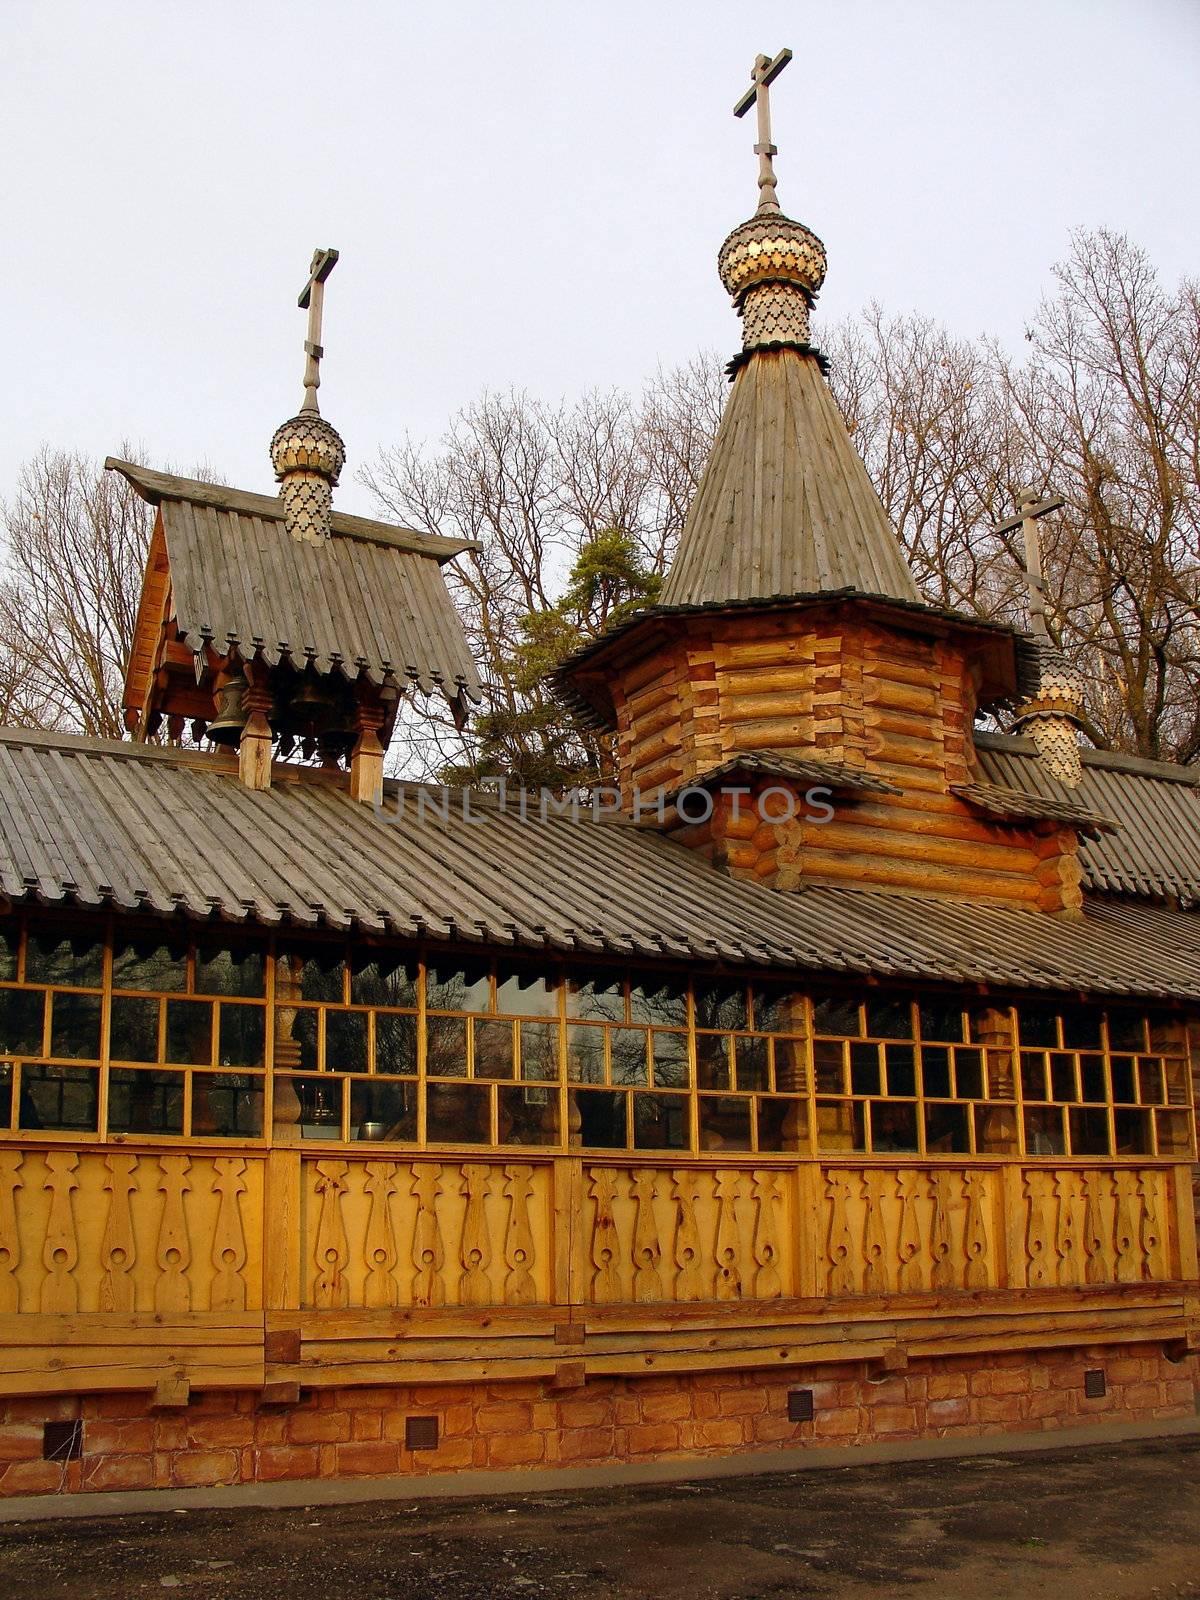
(223, 1438)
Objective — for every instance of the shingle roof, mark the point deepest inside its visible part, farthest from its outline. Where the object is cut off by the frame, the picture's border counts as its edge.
(785, 505)
(836, 776)
(1018, 805)
(1156, 850)
(99, 823)
(371, 599)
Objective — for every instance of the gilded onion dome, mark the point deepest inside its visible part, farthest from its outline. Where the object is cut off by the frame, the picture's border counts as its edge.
(773, 267)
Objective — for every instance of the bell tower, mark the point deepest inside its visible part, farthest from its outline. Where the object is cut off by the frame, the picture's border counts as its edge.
(792, 651)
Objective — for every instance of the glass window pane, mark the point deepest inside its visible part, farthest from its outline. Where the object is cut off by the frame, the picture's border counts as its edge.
(1126, 1030)
(935, 1070)
(840, 1125)
(1081, 1028)
(627, 1047)
(494, 1050)
(243, 1035)
(672, 1069)
(1174, 1133)
(232, 969)
(190, 1031)
(77, 961)
(1000, 1084)
(320, 1106)
(149, 962)
(227, 1105)
(6, 1094)
(75, 1025)
(901, 1060)
(1038, 1026)
(585, 1054)
(1044, 1131)
(995, 1130)
(782, 1125)
(889, 1018)
(310, 972)
(660, 1121)
(968, 1074)
(383, 978)
(1089, 1131)
(942, 1020)
(145, 1102)
(602, 1114)
(539, 1052)
(661, 1002)
(946, 1131)
(600, 999)
(750, 1061)
(989, 1024)
(446, 1047)
(525, 992)
(345, 1041)
(396, 1043)
(526, 1115)
(1033, 1075)
(722, 1006)
(1150, 1083)
(458, 1113)
(791, 1065)
(22, 1021)
(1132, 1131)
(299, 1026)
(1121, 1068)
(59, 1097)
(9, 940)
(133, 1029)
(893, 1126)
(458, 988)
(778, 1010)
(712, 1061)
(836, 1014)
(1091, 1076)
(724, 1122)
(864, 1069)
(829, 1061)
(383, 1111)
(1168, 1035)
(1062, 1077)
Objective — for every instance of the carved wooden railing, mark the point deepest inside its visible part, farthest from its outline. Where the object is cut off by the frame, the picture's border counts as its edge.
(110, 1231)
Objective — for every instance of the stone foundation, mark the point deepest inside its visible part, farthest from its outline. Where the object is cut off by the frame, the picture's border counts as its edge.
(226, 1437)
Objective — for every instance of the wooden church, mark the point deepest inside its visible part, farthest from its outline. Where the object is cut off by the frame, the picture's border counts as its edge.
(837, 1087)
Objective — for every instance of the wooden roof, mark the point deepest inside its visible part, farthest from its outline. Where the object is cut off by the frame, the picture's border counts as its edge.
(785, 505)
(107, 824)
(225, 572)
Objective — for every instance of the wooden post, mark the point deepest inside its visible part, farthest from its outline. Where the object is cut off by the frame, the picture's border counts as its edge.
(366, 759)
(254, 750)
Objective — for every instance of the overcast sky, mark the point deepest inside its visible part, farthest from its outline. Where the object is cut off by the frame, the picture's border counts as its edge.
(530, 195)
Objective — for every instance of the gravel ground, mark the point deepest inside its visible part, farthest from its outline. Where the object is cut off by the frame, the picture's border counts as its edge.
(1111, 1523)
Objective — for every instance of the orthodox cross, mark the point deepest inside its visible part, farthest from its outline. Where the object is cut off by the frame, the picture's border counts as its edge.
(764, 72)
(312, 300)
(1030, 509)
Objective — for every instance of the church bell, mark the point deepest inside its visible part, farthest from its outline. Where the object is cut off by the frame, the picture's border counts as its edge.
(226, 727)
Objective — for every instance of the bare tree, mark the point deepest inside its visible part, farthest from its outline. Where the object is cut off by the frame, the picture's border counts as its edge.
(75, 540)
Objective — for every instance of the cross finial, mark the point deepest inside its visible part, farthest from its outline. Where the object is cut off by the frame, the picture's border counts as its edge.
(312, 299)
(1031, 507)
(763, 75)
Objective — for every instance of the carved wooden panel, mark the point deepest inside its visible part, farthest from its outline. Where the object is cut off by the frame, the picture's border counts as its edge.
(108, 1230)
(1095, 1226)
(661, 1233)
(426, 1233)
(890, 1230)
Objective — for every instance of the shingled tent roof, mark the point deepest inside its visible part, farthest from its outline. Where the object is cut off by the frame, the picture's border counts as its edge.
(371, 599)
(785, 505)
(96, 823)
